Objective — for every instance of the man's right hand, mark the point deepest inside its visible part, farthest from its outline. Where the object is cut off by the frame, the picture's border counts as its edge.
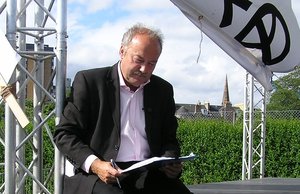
(105, 171)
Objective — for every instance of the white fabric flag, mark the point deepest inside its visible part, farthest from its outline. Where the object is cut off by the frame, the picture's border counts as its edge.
(261, 35)
(9, 58)
(8, 61)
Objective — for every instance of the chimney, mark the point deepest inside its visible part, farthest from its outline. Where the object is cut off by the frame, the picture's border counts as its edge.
(197, 107)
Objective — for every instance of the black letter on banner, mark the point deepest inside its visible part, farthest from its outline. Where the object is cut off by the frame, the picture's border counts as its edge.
(265, 39)
(228, 10)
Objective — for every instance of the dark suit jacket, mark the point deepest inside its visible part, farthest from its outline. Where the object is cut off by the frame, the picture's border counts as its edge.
(90, 123)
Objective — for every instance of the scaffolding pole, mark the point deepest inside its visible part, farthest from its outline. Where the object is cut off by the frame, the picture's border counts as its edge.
(10, 128)
(20, 135)
(20, 31)
(60, 83)
(254, 129)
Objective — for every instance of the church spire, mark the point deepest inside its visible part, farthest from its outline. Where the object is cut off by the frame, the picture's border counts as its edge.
(226, 100)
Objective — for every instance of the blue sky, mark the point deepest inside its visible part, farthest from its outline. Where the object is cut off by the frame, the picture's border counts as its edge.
(100, 32)
(95, 32)
(95, 29)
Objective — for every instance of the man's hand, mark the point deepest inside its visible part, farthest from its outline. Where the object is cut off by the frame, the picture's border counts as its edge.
(104, 171)
(172, 170)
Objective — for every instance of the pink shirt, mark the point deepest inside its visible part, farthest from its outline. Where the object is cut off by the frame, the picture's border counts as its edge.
(134, 145)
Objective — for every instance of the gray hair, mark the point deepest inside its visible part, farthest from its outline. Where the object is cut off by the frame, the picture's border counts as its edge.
(141, 29)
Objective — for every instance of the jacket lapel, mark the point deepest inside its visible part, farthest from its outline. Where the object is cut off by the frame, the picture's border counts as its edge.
(114, 94)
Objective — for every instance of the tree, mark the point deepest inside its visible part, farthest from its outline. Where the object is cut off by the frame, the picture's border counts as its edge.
(286, 95)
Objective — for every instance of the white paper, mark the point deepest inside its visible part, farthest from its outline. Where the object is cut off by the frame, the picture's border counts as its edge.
(158, 159)
(8, 58)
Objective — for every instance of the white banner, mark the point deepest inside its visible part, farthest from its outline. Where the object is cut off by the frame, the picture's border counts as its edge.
(261, 35)
(8, 61)
(8, 58)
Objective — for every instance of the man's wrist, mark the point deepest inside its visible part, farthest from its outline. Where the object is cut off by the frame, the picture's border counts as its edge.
(88, 162)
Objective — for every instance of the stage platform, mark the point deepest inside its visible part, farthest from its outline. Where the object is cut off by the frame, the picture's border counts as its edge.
(257, 186)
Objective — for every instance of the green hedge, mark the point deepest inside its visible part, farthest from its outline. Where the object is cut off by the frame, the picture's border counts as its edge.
(283, 148)
(219, 144)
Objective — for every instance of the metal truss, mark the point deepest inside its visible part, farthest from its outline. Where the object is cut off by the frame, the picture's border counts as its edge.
(18, 142)
(254, 129)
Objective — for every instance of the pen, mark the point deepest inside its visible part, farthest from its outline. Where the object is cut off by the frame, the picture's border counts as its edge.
(115, 167)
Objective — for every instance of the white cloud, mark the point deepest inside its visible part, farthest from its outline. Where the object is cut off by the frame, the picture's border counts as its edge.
(134, 5)
(91, 6)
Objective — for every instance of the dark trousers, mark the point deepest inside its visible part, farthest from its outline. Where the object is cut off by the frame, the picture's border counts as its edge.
(151, 181)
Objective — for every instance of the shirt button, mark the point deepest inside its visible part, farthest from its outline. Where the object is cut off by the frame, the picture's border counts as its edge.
(116, 147)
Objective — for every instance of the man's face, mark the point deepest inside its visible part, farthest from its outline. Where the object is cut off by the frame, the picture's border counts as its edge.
(139, 59)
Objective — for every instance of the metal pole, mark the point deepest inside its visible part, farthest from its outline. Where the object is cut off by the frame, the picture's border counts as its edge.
(253, 152)
(10, 128)
(263, 135)
(250, 132)
(20, 135)
(37, 100)
(247, 129)
(61, 52)
(10, 156)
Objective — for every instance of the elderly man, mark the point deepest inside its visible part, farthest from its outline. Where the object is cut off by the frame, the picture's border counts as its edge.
(122, 113)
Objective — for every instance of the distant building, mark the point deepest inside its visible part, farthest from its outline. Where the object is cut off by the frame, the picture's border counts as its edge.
(68, 86)
(68, 83)
(47, 76)
(187, 110)
(225, 110)
(48, 70)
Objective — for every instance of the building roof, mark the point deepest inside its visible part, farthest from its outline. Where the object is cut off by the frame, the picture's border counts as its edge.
(193, 108)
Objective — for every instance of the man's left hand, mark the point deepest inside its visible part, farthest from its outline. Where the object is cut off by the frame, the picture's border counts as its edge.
(172, 170)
